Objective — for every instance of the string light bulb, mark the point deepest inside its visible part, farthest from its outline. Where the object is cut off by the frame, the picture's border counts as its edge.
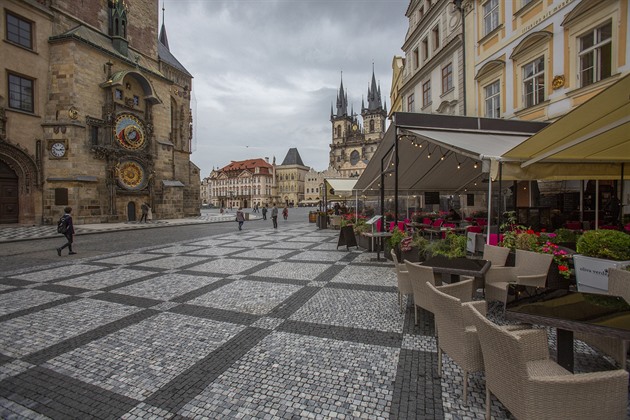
(429, 155)
(459, 166)
(443, 156)
(475, 165)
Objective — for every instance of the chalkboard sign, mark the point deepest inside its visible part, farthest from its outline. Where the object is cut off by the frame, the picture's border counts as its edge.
(346, 237)
(432, 197)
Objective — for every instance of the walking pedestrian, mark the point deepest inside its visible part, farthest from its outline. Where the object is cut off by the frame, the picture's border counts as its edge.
(285, 212)
(240, 218)
(264, 212)
(66, 227)
(274, 216)
(145, 212)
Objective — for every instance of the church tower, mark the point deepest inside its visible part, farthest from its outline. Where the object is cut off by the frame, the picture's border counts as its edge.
(354, 143)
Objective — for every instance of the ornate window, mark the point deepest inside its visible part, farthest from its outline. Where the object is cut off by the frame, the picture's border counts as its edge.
(490, 16)
(354, 157)
(20, 93)
(534, 82)
(493, 100)
(447, 77)
(19, 31)
(595, 54)
(426, 93)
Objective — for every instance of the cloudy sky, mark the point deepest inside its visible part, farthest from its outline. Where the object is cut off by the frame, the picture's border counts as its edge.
(266, 71)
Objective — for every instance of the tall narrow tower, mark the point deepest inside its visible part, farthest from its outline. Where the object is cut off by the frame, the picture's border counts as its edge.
(353, 144)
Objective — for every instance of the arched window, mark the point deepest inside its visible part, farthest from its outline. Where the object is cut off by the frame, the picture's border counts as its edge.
(371, 126)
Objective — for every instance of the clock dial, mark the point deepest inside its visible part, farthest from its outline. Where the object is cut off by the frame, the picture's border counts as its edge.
(58, 149)
(131, 175)
(355, 127)
(129, 132)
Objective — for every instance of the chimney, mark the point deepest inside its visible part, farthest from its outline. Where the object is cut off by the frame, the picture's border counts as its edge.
(267, 159)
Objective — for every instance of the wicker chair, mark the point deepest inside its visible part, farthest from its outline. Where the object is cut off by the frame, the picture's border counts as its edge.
(618, 285)
(419, 275)
(532, 386)
(457, 336)
(404, 282)
(497, 255)
(530, 270)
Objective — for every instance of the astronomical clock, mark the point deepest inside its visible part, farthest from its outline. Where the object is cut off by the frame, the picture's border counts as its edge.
(132, 166)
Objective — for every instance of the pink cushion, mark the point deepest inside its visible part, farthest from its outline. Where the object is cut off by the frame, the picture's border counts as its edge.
(474, 229)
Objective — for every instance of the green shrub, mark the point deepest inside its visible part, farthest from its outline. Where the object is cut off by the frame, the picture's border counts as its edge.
(421, 244)
(607, 244)
(565, 235)
(453, 246)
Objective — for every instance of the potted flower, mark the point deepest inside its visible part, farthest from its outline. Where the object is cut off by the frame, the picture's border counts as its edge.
(413, 248)
(559, 276)
(394, 243)
(597, 251)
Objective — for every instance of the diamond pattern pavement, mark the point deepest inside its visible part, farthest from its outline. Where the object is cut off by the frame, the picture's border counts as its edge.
(256, 324)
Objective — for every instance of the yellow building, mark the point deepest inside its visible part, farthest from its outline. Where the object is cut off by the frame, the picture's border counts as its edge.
(538, 59)
(94, 114)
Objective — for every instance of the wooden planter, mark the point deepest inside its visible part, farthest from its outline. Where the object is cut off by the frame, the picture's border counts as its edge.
(364, 242)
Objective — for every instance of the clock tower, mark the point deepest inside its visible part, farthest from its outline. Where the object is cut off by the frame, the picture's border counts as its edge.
(353, 141)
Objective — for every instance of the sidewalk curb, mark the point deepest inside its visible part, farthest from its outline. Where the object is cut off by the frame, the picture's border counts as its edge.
(127, 226)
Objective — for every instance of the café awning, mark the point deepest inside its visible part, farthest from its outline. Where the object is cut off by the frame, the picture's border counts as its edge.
(339, 188)
(442, 153)
(590, 142)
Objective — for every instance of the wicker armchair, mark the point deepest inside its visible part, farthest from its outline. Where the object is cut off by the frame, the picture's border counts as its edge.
(497, 255)
(456, 334)
(532, 386)
(618, 285)
(419, 275)
(531, 269)
(404, 282)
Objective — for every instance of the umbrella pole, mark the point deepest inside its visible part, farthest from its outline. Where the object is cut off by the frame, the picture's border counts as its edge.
(489, 209)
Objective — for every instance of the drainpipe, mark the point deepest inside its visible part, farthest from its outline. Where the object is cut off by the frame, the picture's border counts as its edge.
(458, 6)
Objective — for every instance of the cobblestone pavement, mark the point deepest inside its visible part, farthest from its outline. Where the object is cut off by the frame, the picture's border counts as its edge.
(256, 324)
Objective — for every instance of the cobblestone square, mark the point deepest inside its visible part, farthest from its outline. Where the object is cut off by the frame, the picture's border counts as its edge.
(243, 325)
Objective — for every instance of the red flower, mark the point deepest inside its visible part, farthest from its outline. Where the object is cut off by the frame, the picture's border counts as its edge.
(563, 268)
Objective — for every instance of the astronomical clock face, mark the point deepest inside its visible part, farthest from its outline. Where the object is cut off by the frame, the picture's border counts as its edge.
(131, 175)
(129, 132)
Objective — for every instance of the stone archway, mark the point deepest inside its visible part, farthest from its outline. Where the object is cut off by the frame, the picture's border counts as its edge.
(29, 181)
(9, 201)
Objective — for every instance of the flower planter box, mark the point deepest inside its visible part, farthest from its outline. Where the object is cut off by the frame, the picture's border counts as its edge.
(412, 255)
(592, 273)
(555, 280)
(364, 242)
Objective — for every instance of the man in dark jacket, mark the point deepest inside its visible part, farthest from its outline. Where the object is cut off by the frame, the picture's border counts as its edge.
(69, 234)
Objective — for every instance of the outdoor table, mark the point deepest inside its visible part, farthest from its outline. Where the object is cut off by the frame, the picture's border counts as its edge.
(452, 268)
(379, 241)
(567, 312)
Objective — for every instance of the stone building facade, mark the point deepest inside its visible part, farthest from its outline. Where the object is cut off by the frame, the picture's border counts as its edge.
(94, 114)
(434, 65)
(354, 142)
(314, 183)
(242, 183)
(291, 175)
